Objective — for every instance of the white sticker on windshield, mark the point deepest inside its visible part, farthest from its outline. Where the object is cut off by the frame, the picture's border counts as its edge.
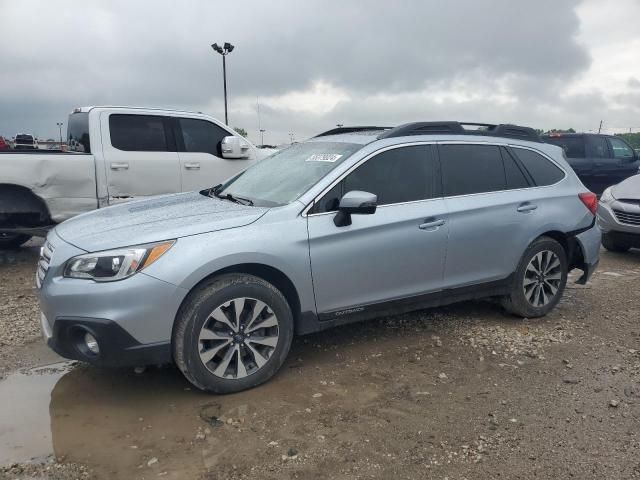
(323, 157)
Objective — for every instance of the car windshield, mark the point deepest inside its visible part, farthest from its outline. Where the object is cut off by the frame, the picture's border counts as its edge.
(284, 176)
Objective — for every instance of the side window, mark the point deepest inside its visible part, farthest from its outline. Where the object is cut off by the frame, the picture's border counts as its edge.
(543, 171)
(470, 169)
(138, 133)
(620, 149)
(202, 136)
(515, 177)
(398, 175)
(598, 147)
(402, 174)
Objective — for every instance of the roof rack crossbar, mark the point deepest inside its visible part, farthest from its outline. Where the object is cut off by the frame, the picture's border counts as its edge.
(457, 128)
(342, 130)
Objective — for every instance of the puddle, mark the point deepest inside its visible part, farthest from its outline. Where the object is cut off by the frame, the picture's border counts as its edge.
(25, 432)
(117, 422)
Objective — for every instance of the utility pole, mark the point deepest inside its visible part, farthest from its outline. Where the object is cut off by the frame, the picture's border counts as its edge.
(600, 127)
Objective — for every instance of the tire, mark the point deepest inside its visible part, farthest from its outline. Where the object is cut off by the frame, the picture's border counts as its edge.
(610, 244)
(534, 295)
(12, 240)
(207, 322)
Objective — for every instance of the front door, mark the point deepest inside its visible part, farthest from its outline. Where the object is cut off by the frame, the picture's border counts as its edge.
(395, 253)
(140, 156)
(201, 161)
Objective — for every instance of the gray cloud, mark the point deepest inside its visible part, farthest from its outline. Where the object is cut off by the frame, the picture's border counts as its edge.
(157, 54)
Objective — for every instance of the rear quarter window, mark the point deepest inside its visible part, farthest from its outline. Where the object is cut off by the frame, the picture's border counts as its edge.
(542, 170)
(78, 133)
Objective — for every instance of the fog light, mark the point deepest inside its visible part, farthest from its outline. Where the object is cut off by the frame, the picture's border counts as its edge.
(91, 343)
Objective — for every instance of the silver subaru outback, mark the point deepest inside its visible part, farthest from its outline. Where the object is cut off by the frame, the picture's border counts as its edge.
(352, 224)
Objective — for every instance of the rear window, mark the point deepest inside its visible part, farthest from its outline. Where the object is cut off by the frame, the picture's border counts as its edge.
(138, 133)
(543, 171)
(573, 146)
(470, 169)
(78, 133)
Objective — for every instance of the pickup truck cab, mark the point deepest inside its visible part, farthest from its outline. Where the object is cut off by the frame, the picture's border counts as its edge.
(115, 154)
(599, 160)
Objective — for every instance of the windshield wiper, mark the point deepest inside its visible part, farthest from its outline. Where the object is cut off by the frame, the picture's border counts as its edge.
(233, 198)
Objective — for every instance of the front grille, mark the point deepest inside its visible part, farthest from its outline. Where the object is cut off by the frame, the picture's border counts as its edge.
(43, 263)
(627, 217)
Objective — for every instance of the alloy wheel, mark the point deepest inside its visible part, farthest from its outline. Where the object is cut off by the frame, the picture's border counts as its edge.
(238, 338)
(542, 278)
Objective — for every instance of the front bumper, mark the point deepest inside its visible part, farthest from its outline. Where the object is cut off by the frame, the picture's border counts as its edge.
(131, 319)
(608, 222)
(117, 347)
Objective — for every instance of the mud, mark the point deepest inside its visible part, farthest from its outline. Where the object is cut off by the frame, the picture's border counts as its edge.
(458, 392)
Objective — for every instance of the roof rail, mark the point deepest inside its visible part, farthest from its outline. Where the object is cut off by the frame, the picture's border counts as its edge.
(457, 128)
(340, 130)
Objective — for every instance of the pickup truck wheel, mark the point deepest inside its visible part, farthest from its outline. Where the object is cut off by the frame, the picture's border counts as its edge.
(539, 279)
(13, 240)
(232, 333)
(613, 246)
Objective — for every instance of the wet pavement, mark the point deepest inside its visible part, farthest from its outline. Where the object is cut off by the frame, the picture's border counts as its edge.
(460, 392)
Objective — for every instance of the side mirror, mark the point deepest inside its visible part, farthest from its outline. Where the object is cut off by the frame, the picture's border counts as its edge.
(234, 147)
(355, 202)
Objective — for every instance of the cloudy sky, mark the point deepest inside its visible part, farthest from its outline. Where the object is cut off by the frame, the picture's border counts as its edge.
(312, 64)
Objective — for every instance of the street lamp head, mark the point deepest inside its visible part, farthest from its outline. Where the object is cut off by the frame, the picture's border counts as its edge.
(228, 47)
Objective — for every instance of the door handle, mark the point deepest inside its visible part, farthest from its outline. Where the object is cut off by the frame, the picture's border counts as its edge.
(192, 166)
(527, 207)
(431, 223)
(119, 166)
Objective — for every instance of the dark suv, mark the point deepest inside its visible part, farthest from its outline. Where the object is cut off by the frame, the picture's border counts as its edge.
(599, 160)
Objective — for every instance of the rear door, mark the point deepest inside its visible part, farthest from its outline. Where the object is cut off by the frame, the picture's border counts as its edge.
(140, 156)
(199, 150)
(490, 212)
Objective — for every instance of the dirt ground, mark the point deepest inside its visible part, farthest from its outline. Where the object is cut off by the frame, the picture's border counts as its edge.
(463, 392)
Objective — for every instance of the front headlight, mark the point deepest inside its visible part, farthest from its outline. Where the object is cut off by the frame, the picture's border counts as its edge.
(607, 196)
(116, 264)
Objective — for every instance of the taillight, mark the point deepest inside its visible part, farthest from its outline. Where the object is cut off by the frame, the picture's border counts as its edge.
(590, 201)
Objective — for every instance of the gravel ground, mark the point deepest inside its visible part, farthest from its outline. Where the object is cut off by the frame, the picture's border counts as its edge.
(462, 392)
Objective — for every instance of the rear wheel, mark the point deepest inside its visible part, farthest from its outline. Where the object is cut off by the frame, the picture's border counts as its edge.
(13, 240)
(233, 333)
(612, 245)
(539, 280)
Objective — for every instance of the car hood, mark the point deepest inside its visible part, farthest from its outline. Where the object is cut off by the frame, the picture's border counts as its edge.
(155, 219)
(628, 189)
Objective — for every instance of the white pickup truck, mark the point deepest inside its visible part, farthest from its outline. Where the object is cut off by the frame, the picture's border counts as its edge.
(115, 154)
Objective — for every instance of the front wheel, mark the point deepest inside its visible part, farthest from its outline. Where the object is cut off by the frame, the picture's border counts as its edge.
(612, 245)
(539, 279)
(232, 333)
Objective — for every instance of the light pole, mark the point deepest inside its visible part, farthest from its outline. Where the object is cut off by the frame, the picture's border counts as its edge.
(225, 50)
(262, 130)
(59, 124)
